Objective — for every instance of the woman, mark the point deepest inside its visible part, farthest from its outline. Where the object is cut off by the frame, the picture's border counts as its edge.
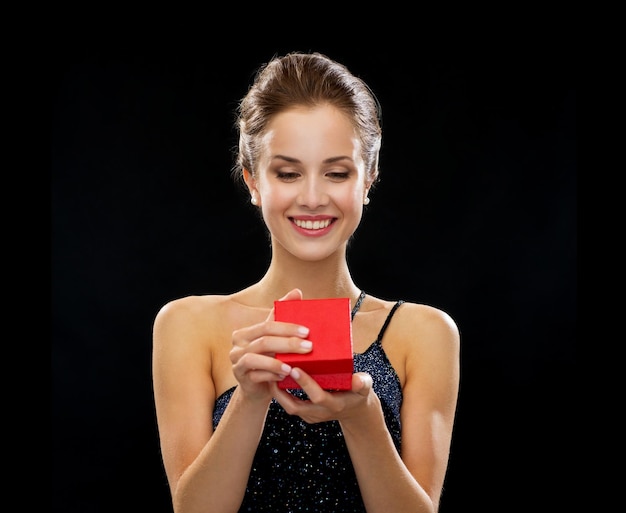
(231, 438)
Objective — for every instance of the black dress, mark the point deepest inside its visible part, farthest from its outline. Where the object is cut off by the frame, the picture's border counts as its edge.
(300, 467)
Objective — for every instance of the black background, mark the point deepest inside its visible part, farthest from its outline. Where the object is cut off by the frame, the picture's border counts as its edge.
(475, 214)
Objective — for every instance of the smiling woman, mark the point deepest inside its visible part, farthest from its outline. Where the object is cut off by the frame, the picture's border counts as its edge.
(315, 181)
(231, 438)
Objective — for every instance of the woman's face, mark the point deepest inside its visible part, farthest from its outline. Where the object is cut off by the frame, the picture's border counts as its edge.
(310, 182)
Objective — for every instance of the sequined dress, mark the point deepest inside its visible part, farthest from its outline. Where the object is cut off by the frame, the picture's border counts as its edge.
(300, 467)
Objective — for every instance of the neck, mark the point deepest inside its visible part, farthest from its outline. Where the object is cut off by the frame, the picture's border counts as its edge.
(325, 278)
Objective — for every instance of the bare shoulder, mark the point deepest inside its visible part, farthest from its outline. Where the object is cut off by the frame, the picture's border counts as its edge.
(185, 361)
(190, 308)
(422, 335)
(414, 321)
(189, 336)
(190, 319)
(427, 321)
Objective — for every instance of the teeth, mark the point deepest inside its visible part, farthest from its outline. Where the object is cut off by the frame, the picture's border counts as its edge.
(312, 225)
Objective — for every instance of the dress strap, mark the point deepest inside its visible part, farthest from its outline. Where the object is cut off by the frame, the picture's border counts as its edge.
(357, 305)
(388, 320)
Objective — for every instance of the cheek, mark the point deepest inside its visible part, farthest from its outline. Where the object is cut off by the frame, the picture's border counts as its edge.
(274, 202)
(354, 196)
(274, 198)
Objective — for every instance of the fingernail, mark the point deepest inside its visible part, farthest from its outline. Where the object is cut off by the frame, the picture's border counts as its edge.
(285, 368)
(295, 374)
(306, 344)
(304, 331)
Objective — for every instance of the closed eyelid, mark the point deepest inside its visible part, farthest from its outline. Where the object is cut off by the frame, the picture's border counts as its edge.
(339, 173)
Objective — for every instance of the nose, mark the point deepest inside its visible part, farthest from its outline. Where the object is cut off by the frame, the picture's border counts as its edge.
(312, 193)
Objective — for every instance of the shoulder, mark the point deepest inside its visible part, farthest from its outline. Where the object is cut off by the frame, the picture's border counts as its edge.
(410, 319)
(427, 321)
(421, 333)
(189, 318)
(189, 307)
(430, 341)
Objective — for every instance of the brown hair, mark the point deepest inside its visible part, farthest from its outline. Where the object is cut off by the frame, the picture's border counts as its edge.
(306, 79)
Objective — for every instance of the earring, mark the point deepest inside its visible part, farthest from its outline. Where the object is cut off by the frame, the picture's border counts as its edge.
(366, 201)
(253, 200)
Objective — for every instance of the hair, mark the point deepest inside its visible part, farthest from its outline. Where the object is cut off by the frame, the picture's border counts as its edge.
(310, 80)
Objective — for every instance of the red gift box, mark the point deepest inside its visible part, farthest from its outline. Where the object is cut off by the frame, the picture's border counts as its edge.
(330, 329)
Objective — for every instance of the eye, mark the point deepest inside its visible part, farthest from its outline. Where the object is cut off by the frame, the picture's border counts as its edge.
(338, 176)
(287, 176)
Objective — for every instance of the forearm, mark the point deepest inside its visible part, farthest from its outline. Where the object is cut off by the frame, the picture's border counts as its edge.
(385, 482)
(217, 479)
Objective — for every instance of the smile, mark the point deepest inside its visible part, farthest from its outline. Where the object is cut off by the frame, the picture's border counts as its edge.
(312, 225)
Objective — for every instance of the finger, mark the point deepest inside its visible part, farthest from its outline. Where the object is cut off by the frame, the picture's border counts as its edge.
(274, 345)
(265, 367)
(292, 295)
(309, 385)
(290, 403)
(362, 383)
(267, 331)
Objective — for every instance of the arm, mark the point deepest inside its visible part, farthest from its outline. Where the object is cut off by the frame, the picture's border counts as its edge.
(411, 482)
(208, 470)
(200, 464)
(430, 395)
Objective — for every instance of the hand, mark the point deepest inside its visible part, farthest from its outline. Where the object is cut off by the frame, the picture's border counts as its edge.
(323, 405)
(254, 348)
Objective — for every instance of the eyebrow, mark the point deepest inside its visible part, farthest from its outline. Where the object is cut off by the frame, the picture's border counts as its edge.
(330, 160)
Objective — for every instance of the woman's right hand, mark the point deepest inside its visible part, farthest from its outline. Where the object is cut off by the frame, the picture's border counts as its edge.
(254, 348)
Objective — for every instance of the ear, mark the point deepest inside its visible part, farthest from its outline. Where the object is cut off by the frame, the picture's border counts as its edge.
(255, 197)
(250, 181)
(366, 192)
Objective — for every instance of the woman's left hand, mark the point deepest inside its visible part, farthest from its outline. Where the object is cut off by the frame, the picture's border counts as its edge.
(323, 405)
